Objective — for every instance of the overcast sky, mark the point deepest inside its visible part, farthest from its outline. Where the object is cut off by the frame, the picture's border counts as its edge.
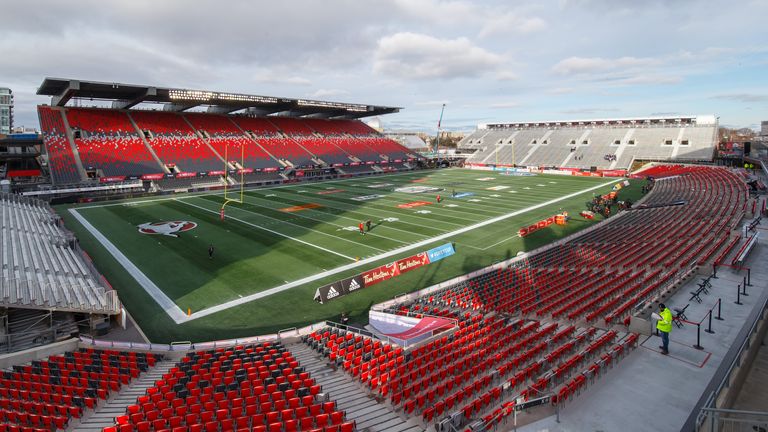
(491, 61)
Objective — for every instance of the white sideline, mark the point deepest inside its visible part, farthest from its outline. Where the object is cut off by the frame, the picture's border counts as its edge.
(178, 316)
(168, 305)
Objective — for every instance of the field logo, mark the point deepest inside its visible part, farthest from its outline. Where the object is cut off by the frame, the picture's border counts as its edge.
(497, 188)
(380, 185)
(169, 228)
(330, 191)
(413, 204)
(464, 194)
(308, 206)
(417, 189)
(366, 197)
(486, 179)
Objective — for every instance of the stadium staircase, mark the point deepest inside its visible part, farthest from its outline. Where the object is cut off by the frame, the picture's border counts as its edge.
(104, 415)
(146, 143)
(368, 412)
(71, 143)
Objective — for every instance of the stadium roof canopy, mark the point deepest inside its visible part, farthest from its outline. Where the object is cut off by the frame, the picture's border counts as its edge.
(125, 96)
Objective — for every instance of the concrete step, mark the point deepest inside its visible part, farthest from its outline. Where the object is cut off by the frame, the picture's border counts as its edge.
(351, 396)
(104, 415)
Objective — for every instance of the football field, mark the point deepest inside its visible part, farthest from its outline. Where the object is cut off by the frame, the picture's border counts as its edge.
(274, 249)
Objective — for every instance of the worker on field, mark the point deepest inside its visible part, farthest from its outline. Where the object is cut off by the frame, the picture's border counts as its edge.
(210, 251)
(439, 199)
(664, 326)
(362, 231)
(368, 225)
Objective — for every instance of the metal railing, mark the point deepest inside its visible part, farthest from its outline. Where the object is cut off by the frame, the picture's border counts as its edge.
(714, 419)
(12, 342)
(726, 420)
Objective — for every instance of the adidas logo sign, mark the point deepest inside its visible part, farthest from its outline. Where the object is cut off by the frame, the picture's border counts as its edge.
(354, 285)
(332, 293)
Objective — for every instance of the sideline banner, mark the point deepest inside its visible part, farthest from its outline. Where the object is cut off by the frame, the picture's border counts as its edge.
(530, 229)
(339, 288)
(440, 252)
(380, 274)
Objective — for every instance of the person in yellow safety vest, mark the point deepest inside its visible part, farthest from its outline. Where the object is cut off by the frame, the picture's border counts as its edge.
(664, 326)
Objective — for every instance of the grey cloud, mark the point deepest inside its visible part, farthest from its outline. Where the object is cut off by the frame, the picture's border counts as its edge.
(420, 56)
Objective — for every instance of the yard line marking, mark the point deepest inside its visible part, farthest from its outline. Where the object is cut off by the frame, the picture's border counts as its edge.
(168, 305)
(497, 243)
(312, 278)
(278, 233)
(286, 221)
(322, 221)
(379, 210)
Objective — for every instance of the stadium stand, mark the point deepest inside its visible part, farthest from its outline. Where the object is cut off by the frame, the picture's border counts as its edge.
(176, 143)
(61, 159)
(56, 392)
(267, 134)
(609, 144)
(259, 387)
(227, 139)
(637, 242)
(524, 331)
(106, 140)
(40, 267)
(319, 146)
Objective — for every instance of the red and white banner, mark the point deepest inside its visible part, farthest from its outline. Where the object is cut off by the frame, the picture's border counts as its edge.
(186, 174)
(614, 173)
(380, 274)
(413, 262)
(111, 179)
(530, 229)
(152, 176)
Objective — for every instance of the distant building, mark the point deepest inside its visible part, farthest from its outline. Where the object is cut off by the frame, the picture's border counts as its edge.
(6, 110)
(411, 140)
(764, 128)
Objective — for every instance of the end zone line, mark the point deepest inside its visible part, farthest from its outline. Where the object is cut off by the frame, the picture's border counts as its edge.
(168, 305)
(277, 289)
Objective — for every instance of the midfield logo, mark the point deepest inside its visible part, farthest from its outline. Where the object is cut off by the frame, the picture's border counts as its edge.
(168, 228)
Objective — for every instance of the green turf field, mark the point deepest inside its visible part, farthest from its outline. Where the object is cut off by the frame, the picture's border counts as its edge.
(287, 241)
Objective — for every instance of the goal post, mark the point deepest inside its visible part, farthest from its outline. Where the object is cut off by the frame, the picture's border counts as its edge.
(228, 196)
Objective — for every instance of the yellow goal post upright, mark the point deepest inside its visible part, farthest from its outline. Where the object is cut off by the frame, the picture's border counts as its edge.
(227, 197)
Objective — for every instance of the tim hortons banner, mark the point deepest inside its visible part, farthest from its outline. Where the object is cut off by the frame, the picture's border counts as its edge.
(380, 274)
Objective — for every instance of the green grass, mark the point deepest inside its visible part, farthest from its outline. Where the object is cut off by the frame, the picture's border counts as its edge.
(260, 247)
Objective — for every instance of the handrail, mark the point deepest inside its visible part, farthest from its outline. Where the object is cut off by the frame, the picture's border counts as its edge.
(711, 402)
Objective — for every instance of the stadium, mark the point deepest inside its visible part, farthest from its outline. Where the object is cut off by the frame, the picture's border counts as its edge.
(195, 254)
